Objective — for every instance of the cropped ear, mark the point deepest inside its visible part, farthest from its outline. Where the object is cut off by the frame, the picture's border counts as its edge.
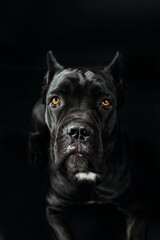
(53, 67)
(115, 68)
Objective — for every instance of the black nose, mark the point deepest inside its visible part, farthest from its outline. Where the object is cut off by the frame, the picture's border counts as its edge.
(79, 131)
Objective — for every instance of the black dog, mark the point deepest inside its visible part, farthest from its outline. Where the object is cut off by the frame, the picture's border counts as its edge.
(89, 160)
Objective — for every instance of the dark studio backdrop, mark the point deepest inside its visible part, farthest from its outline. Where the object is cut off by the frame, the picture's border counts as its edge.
(80, 32)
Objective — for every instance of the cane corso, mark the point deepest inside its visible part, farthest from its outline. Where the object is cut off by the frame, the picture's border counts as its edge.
(78, 124)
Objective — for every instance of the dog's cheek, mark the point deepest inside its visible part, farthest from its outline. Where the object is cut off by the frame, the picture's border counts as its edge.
(112, 122)
(51, 123)
(108, 129)
(50, 120)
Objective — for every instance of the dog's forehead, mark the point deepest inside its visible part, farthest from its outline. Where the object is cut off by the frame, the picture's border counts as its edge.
(80, 77)
(64, 74)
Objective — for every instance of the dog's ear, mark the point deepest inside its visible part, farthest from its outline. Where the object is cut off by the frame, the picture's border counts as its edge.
(115, 68)
(52, 63)
(53, 67)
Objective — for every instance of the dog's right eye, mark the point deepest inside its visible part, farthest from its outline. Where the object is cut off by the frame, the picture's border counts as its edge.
(55, 102)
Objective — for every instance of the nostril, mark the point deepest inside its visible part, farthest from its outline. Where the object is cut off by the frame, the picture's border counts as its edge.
(74, 132)
(84, 132)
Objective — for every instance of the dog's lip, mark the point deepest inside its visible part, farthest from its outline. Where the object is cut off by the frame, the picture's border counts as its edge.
(82, 155)
(76, 153)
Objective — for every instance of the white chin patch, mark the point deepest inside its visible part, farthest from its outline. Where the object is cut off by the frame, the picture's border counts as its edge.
(86, 176)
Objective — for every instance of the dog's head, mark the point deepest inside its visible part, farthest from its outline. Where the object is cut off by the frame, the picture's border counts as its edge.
(81, 112)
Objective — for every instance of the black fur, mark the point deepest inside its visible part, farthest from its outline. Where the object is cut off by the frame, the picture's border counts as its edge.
(83, 136)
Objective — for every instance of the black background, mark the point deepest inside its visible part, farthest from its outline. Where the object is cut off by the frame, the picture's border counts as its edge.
(80, 32)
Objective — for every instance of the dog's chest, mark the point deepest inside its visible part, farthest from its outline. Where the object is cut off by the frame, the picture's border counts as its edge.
(97, 221)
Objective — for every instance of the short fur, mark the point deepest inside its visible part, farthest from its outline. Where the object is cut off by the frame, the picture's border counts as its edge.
(88, 156)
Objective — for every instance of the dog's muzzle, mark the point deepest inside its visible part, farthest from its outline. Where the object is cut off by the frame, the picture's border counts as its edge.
(77, 147)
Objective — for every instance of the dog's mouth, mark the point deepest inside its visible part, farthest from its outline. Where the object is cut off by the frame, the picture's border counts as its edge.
(77, 162)
(77, 166)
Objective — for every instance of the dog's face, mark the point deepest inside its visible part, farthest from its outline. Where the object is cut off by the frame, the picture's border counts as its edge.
(81, 114)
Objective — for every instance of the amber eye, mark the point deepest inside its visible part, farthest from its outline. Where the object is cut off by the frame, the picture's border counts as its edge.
(105, 103)
(55, 101)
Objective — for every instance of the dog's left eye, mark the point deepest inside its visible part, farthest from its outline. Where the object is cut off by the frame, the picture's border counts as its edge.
(106, 103)
(55, 101)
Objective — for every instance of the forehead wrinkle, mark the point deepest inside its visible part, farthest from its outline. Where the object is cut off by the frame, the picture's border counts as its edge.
(89, 75)
(82, 78)
(68, 74)
(92, 81)
(61, 75)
